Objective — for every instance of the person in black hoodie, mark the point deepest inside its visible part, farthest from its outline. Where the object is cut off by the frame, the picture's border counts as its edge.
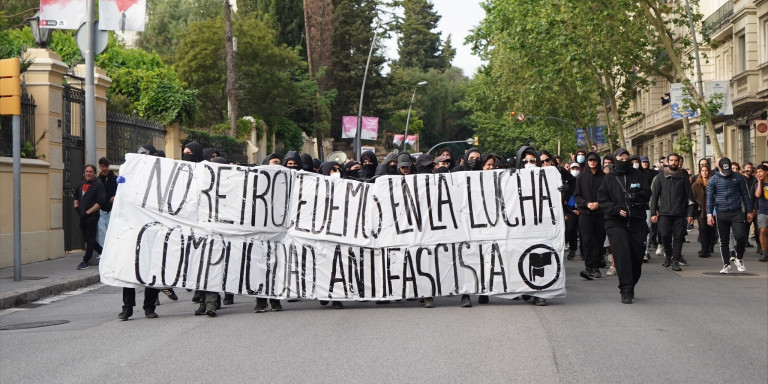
(448, 154)
(369, 163)
(591, 220)
(471, 161)
(293, 161)
(622, 195)
(425, 164)
(332, 169)
(670, 197)
(307, 163)
(210, 153)
(272, 159)
(193, 152)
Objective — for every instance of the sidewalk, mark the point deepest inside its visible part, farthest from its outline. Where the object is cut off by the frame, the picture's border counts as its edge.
(52, 277)
(44, 279)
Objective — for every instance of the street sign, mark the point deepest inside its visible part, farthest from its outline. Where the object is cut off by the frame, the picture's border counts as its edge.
(10, 87)
(521, 117)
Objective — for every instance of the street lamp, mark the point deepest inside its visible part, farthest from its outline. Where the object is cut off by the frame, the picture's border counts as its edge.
(407, 119)
(358, 140)
(42, 35)
(469, 141)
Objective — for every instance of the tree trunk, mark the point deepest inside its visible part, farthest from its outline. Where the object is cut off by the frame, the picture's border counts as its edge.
(231, 77)
(688, 150)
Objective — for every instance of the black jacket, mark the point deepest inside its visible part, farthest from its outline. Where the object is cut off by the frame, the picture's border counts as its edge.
(585, 192)
(110, 189)
(631, 198)
(94, 194)
(670, 194)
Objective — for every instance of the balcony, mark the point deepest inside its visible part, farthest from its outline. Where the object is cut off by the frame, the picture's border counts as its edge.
(718, 19)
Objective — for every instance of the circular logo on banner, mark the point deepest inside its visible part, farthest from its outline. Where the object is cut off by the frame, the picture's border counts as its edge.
(539, 266)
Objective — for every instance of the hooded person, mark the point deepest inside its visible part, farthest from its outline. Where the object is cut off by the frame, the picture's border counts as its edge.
(591, 217)
(389, 166)
(369, 163)
(210, 153)
(219, 160)
(306, 162)
(522, 152)
(405, 164)
(425, 164)
(147, 149)
(472, 160)
(581, 158)
(445, 151)
(331, 168)
(271, 159)
(352, 170)
(623, 194)
(316, 165)
(293, 161)
(193, 152)
(608, 160)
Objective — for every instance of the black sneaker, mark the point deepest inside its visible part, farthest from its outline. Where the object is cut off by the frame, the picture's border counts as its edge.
(126, 313)
(210, 309)
(150, 314)
(626, 298)
(466, 302)
(334, 305)
(82, 265)
(261, 305)
(482, 299)
(682, 261)
(198, 297)
(229, 298)
(571, 255)
(676, 266)
(277, 307)
(667, 262)
(596, 273)
(429, 302)
(587, 274)
(171, 294)
(200, 309)
(539, 302)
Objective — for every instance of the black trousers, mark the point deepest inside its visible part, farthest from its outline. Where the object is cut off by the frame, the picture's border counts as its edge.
(150, 297)
(655, 238)
(592, 228)
(628, 251)
(707, 235)
(571, 230)
(673, 230)
(90, 229)
(738, 222)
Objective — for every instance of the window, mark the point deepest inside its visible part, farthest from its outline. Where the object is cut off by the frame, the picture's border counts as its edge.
(742, 58)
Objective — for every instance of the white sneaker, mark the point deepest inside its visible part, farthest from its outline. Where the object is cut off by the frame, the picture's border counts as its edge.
(726, 269)
(611, 271)
(659, 250)
(740, 265)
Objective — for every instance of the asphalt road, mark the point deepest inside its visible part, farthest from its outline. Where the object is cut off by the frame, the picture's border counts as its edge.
(686, 327)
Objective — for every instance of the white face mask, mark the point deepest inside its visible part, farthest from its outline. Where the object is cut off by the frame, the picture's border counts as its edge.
(580, 158)
(575, 172)
(336, 174)
(635, 165)
(530, 165)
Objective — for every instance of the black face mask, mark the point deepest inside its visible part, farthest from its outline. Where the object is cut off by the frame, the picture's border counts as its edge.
(475, 164)
(369, 169)
(392, 169)
(622, 166)
(188, 157)
(353, 173)
(296, 167)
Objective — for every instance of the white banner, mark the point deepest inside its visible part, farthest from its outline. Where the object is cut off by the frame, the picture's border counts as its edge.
(272, 232)
(122, 15)
(62, 14)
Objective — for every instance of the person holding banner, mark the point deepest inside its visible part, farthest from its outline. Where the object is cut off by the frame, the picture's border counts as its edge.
(369, 163)
(623, 195)
(389, 166)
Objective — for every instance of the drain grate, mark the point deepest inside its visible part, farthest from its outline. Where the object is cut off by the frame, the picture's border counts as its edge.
(736, 274)
(36, 324)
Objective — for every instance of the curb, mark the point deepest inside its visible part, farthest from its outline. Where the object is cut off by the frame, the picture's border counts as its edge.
(15, 299)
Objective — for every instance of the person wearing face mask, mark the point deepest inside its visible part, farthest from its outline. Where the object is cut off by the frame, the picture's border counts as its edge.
(472, 160)
(447, 154)
(727, 191)
(293, 161)
(307, 163)
(192, 152)
(571, 215)
(581, 158)
(622, 195)
(591, 220)
(389, 166)
(369, 162)
(352, 170)
(636, 164)
(442, 164)
(424, 164)
(670, 196)
(210, 153)
(334, 170)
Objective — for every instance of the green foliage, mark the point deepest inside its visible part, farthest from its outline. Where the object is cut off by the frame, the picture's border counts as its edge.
(155, 94)
(243, 129)
(418, 46)
(223, 142)
(265, 72)
(288, 132)
(13, 13)
(28, 150)
(14, 41)
(285, 17)
(684, 143)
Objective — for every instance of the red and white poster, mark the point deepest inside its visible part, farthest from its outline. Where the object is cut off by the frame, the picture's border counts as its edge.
(122, 15)
(370, 127)
(62, 14)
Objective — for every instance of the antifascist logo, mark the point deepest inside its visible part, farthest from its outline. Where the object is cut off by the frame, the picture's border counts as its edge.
(539, 266)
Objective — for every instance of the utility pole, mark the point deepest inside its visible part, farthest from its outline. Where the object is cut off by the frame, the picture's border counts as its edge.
(231, 77)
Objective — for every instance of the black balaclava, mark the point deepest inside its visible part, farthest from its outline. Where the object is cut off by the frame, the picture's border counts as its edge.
(425, 164)
(368, 170)
(476, 164)
(350, 173)
(306, 162)
(725, 166)
(207, 152)
(621, 167)
(197, 152)
(391, 169)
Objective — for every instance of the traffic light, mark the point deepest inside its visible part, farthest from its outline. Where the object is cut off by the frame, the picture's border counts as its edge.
(512, 114)
(477, 141)
(10, 87)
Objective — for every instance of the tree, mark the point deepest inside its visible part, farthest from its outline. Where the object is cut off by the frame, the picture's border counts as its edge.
(353, 23)
(286, 17)
(266, 73)
(14, 12)
(418, 46)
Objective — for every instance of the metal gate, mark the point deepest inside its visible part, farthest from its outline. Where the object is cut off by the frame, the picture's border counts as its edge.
(73, 143)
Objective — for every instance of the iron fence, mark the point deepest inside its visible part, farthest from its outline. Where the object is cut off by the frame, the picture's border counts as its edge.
(233, 151)
(27, 129)
(126, 134)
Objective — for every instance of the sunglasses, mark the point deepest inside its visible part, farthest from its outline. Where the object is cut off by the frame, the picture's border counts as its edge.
(547, 160)
(529, 161)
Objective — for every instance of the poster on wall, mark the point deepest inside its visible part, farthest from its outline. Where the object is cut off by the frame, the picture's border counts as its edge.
(269, 231)
(679, 97)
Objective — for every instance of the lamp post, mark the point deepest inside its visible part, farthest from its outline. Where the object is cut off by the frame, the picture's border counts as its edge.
(358, 141)
(407, 119)
(467, 141)
(42, 35)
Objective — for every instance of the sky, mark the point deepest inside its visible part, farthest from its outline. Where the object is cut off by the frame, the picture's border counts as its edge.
(458, 18)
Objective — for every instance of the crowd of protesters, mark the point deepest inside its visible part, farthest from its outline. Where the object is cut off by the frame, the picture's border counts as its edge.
(617, 209)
